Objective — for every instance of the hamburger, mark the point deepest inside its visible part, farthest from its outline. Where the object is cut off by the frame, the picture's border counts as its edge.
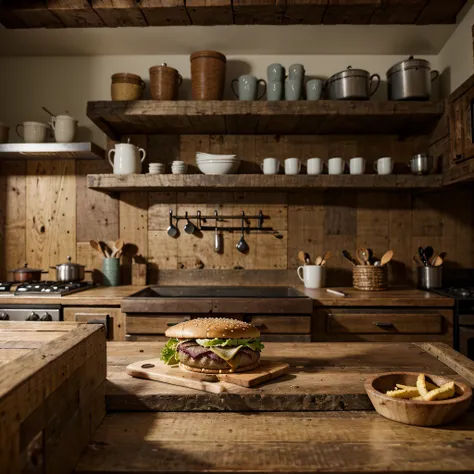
(213, 346)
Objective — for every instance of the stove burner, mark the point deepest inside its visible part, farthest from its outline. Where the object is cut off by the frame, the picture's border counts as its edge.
(462, 292)
(5, 286)
(51, 288)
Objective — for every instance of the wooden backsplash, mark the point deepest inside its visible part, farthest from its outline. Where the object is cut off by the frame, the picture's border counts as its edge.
(47, 213)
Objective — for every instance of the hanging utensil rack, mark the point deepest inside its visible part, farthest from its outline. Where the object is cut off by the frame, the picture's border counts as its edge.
(201, 220)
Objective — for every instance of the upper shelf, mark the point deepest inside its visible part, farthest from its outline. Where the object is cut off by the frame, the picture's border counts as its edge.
(101, 13)
(58, 151)
(242, 117)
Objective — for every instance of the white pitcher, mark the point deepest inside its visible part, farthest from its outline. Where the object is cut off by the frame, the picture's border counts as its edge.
(128, 158)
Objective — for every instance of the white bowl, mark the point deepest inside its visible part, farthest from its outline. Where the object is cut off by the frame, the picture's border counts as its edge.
(218, 167)
(214, 157)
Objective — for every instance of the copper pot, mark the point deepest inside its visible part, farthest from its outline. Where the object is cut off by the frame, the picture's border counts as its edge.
(164, 82)
(27, 274)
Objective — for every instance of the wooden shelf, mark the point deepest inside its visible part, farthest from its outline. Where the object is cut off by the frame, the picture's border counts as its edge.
(253, 182)
(258, 117)
(52, 151)
(99, 13)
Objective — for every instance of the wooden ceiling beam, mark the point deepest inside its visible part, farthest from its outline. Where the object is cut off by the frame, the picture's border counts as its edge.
(165, 12)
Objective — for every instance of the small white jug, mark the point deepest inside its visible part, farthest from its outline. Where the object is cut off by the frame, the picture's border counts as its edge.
(128, 158)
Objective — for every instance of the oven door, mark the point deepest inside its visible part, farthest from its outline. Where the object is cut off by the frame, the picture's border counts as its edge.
(466, 341)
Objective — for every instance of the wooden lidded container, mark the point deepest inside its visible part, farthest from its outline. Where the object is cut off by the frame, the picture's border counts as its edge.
(127, 86)
(208, 75)
(370, 278)
(164, 82)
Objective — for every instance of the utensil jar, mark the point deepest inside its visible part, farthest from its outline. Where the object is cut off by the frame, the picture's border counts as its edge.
(164, 82)
(208, 75)
(111, 271)
(430, 277)
(126, 86)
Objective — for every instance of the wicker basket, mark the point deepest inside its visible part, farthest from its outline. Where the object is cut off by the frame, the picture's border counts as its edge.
(370, 278)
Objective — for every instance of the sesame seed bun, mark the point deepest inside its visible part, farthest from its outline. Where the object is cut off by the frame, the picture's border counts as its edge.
(209, 328)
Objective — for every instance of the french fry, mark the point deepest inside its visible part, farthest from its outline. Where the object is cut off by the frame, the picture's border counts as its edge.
(442, 393)
(421, 385)
(413, 392)
(418, 399)
(429, 386)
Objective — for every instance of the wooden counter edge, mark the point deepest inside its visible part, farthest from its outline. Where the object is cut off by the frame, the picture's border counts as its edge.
(450, 357)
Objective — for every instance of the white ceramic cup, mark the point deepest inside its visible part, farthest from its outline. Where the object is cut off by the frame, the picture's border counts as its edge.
(64, 128)
(270, 166)
(357, 165)
(33, 132)
(384, 165)
(314, 166)
(292, 166)
(313, 276)
(336, 165)
(128, 158)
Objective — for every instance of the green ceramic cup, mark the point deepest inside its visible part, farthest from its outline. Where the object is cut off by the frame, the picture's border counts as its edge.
(111, 271)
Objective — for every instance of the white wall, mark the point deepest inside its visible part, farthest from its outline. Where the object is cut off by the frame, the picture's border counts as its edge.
(456, 57)
(67, 83)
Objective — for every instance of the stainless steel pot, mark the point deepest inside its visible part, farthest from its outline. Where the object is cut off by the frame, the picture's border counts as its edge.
(410, 80)
(352, 84)
(69, 272)
(421, 164)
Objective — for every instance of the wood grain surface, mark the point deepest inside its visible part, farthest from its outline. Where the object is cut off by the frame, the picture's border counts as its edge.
(322, 376)
(275, 442)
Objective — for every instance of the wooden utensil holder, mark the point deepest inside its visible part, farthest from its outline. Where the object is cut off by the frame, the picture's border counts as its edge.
(208, 75)
(370, 278)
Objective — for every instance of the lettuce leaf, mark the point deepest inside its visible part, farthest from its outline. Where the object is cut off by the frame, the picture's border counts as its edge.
(253, 344)
(169, 354)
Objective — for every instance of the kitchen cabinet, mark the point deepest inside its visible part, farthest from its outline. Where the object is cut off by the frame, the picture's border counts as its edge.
(284, 328)
(460, 166)
(113, 319)
(383, 324)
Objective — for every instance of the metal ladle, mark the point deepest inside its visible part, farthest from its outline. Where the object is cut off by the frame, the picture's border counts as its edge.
(189, 228)
(217, 238)
(242, 246)
(172, 229)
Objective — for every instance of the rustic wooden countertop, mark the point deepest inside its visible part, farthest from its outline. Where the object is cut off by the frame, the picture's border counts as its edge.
(323, 376)
(315, 419)
(112, 296)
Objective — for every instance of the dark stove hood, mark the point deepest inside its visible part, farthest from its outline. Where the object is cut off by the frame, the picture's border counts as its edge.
(218, 299)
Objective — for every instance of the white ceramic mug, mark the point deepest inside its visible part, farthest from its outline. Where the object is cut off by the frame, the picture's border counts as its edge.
(314, 166)
(292, 166)
(128, 158)
(270, 166)
(384, 165)
(64, 128)
(357, 165)
(313, 276)
(336, 165)
(33, 132)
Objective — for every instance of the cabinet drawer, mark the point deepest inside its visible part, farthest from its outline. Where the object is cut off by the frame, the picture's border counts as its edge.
(159, 323)
(380, 322)
(113, 318)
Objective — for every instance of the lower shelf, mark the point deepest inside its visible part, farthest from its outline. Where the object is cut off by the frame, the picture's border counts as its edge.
(235, 182)
(57, 151)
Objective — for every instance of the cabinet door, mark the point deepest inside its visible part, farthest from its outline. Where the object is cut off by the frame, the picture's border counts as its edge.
(456, 131)
(112, 317)
(467, 108)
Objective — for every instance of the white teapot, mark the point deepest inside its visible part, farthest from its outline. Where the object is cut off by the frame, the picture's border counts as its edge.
(128, 158)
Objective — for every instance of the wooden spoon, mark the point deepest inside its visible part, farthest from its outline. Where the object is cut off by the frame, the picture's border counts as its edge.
(326, 257)
(362, 256)
(96, 246)
(118, 246)
(318, 261)
(386, 257)
(105, 249)
(438, 261)
(417, 261)
(301, 257)
(348, 256)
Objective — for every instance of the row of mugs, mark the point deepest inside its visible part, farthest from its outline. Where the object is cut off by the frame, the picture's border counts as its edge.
(334, 165)
(64, 128)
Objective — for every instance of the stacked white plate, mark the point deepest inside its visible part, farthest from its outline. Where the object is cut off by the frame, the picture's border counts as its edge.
(179, 167)
(217, 164)
(156, 168)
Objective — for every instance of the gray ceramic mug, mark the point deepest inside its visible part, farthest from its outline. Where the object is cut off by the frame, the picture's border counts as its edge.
(275, 90)
(292, 89)
(296, 71)
(314, 89)
(247, 87)
(275, 72)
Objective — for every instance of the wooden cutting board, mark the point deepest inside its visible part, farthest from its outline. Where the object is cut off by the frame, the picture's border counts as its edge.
(155, 369)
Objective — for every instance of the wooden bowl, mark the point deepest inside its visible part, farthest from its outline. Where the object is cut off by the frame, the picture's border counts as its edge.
(413, 412)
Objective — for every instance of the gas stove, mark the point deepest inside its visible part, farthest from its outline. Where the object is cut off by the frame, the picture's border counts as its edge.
(52, 288)
(466, 293)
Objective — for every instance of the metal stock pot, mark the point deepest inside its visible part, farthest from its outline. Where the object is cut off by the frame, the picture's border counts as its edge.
(352, 84)
(410, 80)
(69, 272)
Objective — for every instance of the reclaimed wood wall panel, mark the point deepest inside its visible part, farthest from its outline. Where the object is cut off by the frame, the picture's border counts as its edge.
(50, 213)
